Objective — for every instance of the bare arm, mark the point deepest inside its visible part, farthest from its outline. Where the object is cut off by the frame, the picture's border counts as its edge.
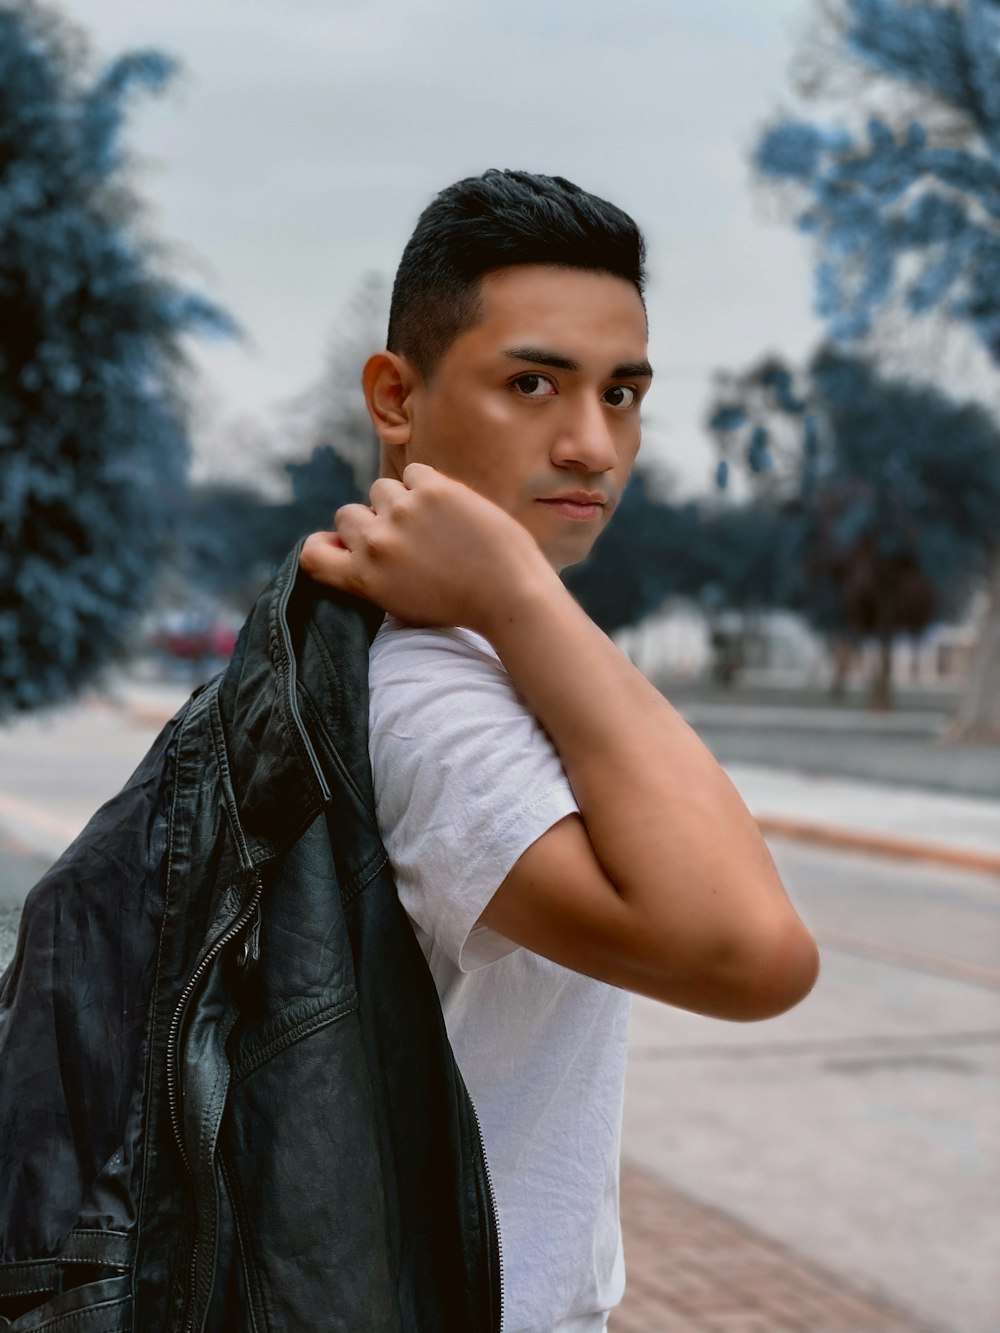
(663, 884)
(701, 918)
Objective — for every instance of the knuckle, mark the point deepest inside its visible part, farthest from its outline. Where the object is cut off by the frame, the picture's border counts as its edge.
(374, 544)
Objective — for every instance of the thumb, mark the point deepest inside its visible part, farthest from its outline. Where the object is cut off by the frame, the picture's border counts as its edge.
(415, 473)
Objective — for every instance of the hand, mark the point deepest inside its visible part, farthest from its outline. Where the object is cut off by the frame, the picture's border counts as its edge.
(430, 550)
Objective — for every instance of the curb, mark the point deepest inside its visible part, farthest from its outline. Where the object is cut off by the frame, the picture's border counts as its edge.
(147, 715)
(826, 835)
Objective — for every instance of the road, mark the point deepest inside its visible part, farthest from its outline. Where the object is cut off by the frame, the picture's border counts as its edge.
(907, 747)
(58, 767)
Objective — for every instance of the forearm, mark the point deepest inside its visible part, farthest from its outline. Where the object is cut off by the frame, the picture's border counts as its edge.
(666, 823)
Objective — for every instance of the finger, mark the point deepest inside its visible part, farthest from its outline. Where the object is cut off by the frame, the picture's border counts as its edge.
(325, 558)
(351, 521)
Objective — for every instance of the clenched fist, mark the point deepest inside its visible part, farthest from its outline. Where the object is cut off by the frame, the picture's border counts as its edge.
(431, 551)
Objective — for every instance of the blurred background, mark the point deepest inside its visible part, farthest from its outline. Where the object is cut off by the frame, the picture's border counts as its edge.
(201, 210)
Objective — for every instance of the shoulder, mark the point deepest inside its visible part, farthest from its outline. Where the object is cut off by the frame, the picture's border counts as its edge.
(445, 686)
(400, 651)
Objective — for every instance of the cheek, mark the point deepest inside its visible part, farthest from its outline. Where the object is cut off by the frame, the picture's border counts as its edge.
(630, 448)
(473, 444)
(488, 437)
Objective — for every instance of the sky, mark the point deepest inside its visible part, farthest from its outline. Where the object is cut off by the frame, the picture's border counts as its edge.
(301, 139)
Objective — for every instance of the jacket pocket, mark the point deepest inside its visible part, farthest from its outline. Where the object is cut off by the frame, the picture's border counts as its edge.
(104, 1306)
(297, 1022)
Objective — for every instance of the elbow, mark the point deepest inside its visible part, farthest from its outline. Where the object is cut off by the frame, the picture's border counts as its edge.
(745, 979)
(756, 972)
(780, 971)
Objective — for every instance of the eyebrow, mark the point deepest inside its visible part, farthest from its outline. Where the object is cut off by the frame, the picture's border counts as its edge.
(538, 356)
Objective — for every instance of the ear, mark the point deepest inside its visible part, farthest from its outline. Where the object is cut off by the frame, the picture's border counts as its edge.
(388, 381)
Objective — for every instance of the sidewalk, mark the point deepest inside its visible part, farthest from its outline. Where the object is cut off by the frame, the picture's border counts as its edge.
(854, 815)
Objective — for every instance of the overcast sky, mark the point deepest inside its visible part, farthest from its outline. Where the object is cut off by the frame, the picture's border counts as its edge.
(302, 138)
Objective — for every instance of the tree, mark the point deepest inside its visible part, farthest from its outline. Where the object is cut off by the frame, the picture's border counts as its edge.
(227, 544)
(333, 410)
(910, 207)
(320, 485)
(742, 557)
(895, 488)
(93, 447)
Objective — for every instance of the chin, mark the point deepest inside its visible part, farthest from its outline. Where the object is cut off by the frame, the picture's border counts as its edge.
(566, 560)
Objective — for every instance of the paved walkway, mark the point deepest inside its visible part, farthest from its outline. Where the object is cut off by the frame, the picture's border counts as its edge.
(692, 1269)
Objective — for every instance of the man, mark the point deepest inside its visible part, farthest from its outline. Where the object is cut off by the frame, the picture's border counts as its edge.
(559, 836)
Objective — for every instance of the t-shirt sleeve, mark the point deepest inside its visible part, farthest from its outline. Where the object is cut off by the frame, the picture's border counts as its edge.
(465, 781)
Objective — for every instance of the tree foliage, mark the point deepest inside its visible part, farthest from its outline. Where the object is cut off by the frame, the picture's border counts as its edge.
(227, 541)
(906, 208)
(93, 447)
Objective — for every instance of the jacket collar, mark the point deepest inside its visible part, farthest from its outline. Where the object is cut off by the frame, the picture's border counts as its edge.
(294, 705)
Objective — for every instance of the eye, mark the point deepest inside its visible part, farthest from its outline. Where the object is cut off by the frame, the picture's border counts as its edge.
(534, 386)
(621, 396)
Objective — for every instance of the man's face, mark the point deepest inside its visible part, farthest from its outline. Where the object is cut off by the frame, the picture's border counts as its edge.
(540, 400)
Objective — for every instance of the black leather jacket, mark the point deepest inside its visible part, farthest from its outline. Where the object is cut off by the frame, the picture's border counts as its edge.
(227, 1098)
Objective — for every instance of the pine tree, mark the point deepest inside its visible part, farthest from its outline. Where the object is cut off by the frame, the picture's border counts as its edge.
(93, 446)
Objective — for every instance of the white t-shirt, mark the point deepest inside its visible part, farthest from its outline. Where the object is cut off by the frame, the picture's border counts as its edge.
(465, 780)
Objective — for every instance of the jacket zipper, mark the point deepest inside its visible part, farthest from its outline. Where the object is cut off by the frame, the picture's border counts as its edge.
(495, 1216)
(173, 1061)
(249, 953)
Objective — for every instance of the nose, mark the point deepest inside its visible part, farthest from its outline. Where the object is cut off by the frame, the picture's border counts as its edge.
(586, 441)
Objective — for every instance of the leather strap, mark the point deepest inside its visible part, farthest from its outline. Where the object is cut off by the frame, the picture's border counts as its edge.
(105, 1249)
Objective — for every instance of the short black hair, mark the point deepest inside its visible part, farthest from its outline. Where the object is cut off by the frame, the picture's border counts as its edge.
(492, 221)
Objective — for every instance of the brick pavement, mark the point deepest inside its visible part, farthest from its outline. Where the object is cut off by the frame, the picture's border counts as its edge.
(692, 1269)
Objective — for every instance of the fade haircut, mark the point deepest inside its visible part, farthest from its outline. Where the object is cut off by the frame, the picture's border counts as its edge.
(492, 221)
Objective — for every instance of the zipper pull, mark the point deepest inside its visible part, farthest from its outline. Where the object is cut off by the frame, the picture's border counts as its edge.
(249, 954)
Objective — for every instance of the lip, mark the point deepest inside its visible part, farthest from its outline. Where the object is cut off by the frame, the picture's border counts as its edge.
(575, 498)
(581, 506)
